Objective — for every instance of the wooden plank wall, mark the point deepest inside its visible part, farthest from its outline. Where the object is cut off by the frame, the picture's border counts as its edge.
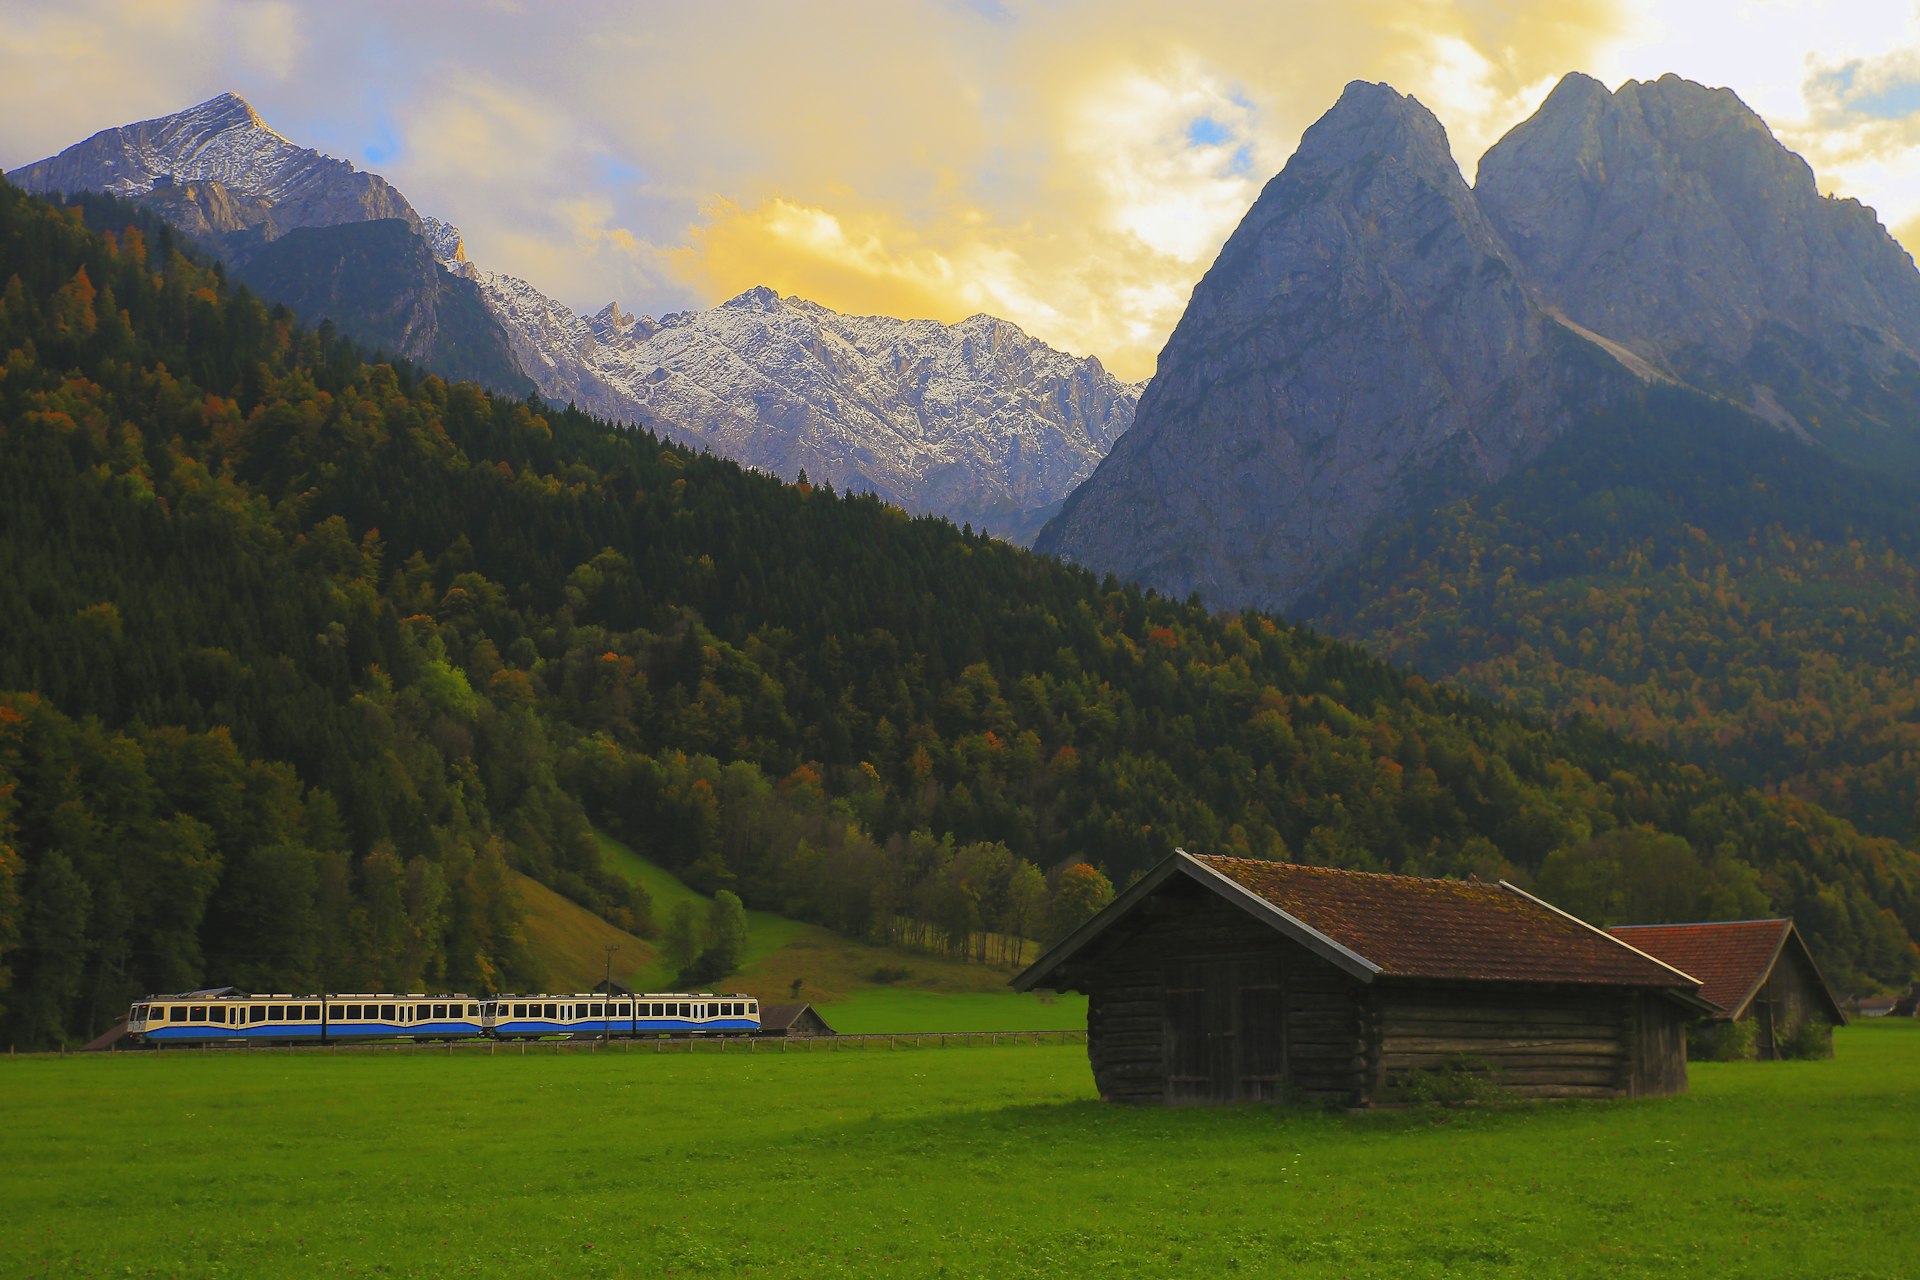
(1127, 1029)
(1659, 1047)
(1535, 1043)
(1790, 996)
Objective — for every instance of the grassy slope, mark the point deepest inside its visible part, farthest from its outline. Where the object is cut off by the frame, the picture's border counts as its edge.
(569, 941)
(958, 1161)
(938, 993)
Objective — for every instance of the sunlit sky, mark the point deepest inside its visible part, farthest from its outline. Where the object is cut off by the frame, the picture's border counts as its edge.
(1072, 166)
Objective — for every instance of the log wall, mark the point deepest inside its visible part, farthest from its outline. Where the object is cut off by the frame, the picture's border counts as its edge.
(1533, 1042)
(1134, 1028)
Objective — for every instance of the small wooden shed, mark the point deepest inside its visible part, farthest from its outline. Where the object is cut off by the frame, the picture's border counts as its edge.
(1216, 979)
(795, 1020)
(1758, 971)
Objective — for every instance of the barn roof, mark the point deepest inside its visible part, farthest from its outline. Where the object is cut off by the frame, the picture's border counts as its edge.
(1385, 926)
(788, 1016)
(1732, 958)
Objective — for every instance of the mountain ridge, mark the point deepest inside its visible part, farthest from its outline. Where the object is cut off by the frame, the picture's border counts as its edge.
(1314, 422)
(976, 421)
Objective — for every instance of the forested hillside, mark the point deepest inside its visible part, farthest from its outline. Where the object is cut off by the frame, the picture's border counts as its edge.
(305, 652)
(1691, 577)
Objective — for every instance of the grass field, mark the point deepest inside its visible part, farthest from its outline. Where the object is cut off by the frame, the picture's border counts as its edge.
(964, 1162)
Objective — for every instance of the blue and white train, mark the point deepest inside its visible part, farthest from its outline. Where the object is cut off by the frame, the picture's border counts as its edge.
(227, 1016)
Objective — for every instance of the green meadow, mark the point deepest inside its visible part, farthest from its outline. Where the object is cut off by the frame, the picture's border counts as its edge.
(959, 1161)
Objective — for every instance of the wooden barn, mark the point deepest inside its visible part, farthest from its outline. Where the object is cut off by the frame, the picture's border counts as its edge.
(798, 1021)
(1217, 979)
(1757, 971)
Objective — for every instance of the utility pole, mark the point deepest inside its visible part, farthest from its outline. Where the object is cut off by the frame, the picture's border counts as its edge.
(606, 1023)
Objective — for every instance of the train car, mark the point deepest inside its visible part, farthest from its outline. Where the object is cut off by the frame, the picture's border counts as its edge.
(225, 1015)
(701, 1014)
(413, 1017)
(516, 1017)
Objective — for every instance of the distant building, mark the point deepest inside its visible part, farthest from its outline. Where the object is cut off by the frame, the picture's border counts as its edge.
(1757, 971)
(1218, 979)
(796, 1020)
(1876, 1006)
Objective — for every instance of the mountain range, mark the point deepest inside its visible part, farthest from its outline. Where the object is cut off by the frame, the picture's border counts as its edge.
(976, 421)
(1378, 337)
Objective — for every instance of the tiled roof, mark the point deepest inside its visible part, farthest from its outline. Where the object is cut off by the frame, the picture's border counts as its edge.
(1729, 958)
(1455, 929)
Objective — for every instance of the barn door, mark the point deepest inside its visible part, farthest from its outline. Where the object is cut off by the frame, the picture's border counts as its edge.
(1224, 1030)
(1261, 1038)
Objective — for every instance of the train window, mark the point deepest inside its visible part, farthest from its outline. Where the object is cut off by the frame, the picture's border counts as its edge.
(178, 1013)
(353, 1013)
(198, 1013)
(519, 1011)
(336, 1012)
(626, 1010)
(259, 1013)
(473, 1010)
(388, 1013)
(432, 1011)
(598, 1011)
(686, 1011)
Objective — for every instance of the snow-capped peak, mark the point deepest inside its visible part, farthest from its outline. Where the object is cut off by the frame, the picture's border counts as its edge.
(222, 140)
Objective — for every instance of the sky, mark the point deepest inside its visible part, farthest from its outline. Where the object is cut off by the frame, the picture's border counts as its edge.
(1071, 165)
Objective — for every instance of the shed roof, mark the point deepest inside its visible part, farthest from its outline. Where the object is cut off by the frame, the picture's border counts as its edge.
(789, 1016)
(1732, 958)
(1386, 926)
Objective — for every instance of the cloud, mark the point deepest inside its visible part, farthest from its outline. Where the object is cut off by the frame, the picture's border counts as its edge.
(1071, 165)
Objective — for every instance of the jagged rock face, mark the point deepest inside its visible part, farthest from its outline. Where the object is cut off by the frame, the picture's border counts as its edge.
(1363, 339)
(975, 421)
(1666, 216)
(379, 282)
(267, 183)
(978, 421)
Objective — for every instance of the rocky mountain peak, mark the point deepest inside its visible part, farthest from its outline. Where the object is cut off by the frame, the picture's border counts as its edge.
(1364, 337)
(218, 168)
(1373, 120)
(758, 298)
(1667, 216)
(227, 111)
